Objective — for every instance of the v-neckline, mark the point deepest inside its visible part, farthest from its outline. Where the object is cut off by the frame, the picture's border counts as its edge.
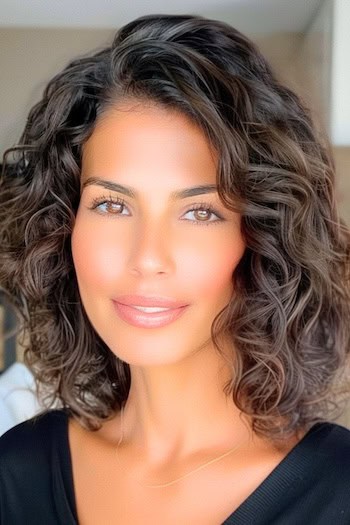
(291, 468)
(294, 467)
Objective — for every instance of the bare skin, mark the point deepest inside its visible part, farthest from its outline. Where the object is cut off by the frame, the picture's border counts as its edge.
(109, 486)
(176, 416)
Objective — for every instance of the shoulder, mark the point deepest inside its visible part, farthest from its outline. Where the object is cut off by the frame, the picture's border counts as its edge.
(330, 445)
(35, 483)
(31, 440)
(328, 434)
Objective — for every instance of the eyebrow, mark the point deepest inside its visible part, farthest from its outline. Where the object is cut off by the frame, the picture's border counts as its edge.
(131, 192)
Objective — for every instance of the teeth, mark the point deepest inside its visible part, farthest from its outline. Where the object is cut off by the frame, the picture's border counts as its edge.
(150, 309)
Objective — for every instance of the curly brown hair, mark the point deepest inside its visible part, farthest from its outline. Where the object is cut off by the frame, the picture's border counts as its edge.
(289, 320)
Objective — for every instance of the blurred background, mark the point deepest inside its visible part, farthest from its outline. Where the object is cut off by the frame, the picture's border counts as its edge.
(307, 42)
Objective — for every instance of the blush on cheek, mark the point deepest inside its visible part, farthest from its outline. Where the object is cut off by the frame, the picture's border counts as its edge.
(99, 266)
(211, 273)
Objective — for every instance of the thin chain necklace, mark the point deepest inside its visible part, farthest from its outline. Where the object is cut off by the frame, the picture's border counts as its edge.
(181, 477)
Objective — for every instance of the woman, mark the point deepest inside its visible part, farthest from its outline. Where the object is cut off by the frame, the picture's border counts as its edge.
(172, 243)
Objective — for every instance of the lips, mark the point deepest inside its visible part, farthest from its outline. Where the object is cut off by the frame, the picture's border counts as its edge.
(135, 317)
(143, 300)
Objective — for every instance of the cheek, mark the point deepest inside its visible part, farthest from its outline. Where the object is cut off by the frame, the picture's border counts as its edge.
(208, 270)
(98, 259)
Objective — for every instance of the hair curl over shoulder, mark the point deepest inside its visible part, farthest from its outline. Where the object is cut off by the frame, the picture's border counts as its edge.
(289, 320)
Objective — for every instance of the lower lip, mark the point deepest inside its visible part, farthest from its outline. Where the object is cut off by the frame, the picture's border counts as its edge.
(147, 320)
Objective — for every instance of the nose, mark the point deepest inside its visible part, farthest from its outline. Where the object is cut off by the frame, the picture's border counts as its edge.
(152, 250)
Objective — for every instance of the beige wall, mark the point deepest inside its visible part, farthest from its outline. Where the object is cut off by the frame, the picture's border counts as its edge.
(313, 61)
(28, 59)
(342, 162)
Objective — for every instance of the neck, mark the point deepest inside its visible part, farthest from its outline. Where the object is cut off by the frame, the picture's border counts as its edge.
(172, 410)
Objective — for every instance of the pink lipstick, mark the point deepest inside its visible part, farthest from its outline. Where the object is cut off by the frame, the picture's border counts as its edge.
(148, 312)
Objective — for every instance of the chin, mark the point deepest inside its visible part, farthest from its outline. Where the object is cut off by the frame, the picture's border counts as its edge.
(153, 353)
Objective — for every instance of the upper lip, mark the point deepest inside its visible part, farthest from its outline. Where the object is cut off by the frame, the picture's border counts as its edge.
(143, 300)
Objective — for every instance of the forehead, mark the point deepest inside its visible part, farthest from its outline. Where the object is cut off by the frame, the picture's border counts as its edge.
(149, 140)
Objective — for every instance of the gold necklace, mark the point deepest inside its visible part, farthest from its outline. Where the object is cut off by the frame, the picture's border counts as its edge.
(181, 477)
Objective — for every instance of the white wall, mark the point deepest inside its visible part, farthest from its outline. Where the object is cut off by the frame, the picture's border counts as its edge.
(340, 92)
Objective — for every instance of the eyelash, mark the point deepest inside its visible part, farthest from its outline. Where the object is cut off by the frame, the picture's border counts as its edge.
(119, 201)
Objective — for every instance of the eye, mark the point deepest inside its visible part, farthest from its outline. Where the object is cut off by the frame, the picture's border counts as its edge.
(108, 205)
(202, 212)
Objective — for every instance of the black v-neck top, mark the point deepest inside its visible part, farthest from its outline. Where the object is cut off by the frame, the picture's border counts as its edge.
(310, 486)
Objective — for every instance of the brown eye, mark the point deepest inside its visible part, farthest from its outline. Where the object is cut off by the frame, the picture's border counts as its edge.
(108, 205)
(112, 207)
(202, 214)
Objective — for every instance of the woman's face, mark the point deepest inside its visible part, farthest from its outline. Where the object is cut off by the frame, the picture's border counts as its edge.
(155, 243)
